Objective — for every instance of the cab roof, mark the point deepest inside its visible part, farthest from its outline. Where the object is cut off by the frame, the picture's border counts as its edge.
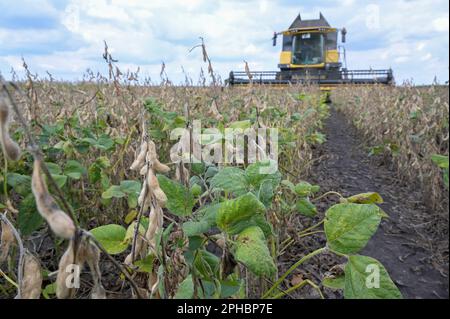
(309, 24)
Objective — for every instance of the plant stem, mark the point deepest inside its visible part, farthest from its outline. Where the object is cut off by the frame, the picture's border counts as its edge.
(9, 279)
(312, 227)
(300, 236)
(293, 267)
(311, 233)
(327, 194)
(5, 178)
(298, 286)
(5, 219)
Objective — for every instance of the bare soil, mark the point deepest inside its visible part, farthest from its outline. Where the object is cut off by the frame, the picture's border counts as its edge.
(413, 244)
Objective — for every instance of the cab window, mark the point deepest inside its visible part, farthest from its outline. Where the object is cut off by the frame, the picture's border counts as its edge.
(308, 49)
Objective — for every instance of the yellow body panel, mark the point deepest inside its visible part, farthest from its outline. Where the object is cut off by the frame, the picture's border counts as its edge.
(332, 56)
(286, 57)
(307, 66)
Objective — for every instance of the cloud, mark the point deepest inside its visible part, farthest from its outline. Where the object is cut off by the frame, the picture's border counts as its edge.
(441, 24)
(66, 37)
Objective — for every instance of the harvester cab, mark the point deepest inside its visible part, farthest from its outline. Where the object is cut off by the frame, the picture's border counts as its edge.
(311, 54)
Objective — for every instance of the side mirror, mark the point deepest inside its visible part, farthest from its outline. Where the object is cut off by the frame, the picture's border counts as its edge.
(275, 35)
(344, 34)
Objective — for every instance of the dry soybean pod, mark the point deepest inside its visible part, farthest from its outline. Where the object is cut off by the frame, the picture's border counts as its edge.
(7, 240)
(160, 168)
(31, 284)
(153, 185)
(140, 159)
(153, 157)
(9, 147)
(140, 248)
(60, 223)
(92, 257)
(64, 289)
(160, 196)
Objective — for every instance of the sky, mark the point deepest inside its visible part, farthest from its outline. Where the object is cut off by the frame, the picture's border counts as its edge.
(65, 37)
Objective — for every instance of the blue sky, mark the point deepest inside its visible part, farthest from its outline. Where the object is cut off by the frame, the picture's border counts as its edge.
(65, 37)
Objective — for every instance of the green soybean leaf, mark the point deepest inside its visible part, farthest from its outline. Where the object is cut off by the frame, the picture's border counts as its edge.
(229, 288)
(129, 235)
(20, 183)
(196, 190)
(180, 200)
(366, 198)
(104, 143)
(192, 228)
(296, 117)
(104, 180)
(209, 212)
(94, 173)
(53, 168)
(29, 218)
(207, 264)
(236, 214)
(186, 289)
(211, 172)
(130, 187)
(131, 216)
(113, 192)
(349, 227)
(260, 221)
(145, 264)
(440, 160)
(204, 223)
(60, 180)
(226, 288)
(195, 180)
(288, 184)
(240, 125)
(74, 169)
(103, 162)
(232, 180)
(132, 200)
(260, 172)
(195, 242)
(50, 289)
(198, 168)
(266, 193)
(145, 221)
(154, 108)
(251, 250)
(446, 177)
(304, 189)
(366, 278)
(306, 208)
(334, 283)
(111, 237)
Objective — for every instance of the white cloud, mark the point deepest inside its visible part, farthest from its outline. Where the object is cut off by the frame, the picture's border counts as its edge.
(398, 34)
(441, 24)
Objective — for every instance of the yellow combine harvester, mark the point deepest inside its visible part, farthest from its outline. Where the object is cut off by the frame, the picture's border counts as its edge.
(311, 54)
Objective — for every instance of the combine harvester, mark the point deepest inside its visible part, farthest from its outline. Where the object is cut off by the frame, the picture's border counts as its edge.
(311, 54)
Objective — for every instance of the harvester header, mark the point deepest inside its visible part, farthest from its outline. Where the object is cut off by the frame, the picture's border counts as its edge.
(311, 53)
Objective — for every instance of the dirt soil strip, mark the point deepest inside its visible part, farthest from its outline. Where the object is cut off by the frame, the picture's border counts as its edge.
(346, 168)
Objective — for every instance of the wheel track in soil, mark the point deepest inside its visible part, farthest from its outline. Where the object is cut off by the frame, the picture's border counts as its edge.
(345, 167)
